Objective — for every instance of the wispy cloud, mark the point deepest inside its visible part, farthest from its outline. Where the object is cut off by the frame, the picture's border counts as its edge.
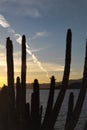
(5, 24)
(50, 67)
(36, 50)
(22, 8)
(53, 67)
(2, 47)
(2, 57)
(60, 58)
(39, 34)
(2, 60)
(31, 12)
(35, 8)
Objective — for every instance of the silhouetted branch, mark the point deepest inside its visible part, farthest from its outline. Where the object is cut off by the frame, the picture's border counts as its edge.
(23, 76)
(49, 125)
(10, 80)
(78, 107)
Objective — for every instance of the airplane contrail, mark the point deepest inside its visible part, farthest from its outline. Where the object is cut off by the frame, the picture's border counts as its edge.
(4, 23)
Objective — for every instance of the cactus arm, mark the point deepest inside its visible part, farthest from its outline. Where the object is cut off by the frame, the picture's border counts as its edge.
(50, 100)
(23, 76)
(10, 82)
(80, 100)
(70, 108)
(54, 114)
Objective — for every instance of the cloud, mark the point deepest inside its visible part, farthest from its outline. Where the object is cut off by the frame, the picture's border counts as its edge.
(22, 8)
(53, 67)
(18, 39)
(2, 57)
(50, 67)
(31, 12)
(39, 34)
(36, 50)
(36, 8)
(3, 22)
(2, 47)
(17, 54)
(60, 58)
(2, 60)
(35, 59)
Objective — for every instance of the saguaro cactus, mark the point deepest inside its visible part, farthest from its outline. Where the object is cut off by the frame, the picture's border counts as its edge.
(50, 100)
(78, 107)
(18, 97)
(35, 106)
(23, 75)
(67, 59)
(70, 108)
(49, 125)
(10, 77)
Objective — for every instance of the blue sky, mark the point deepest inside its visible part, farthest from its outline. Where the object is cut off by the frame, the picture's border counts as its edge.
(45, 24)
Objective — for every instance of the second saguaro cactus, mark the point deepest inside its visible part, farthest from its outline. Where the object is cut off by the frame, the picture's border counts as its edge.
(49, 125)
(35, 106)
(10, 79)
(23, 75)
(78, 107)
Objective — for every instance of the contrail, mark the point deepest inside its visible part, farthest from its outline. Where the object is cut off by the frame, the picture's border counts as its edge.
(4, 23)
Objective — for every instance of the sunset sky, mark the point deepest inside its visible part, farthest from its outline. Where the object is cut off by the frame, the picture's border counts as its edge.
(45, 24)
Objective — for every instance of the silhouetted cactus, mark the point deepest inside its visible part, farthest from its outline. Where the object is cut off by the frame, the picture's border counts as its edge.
(50, 100)
(67, 59)
(23, 76)
(31, 119)
(10, 79)
(18, 98)
(4, 108)
(35, 106)
(85, 127)
(49, 125)
(70, 108)
(78, 107)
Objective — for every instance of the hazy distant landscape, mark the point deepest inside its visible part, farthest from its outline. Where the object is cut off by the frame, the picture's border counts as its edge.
(73, 84)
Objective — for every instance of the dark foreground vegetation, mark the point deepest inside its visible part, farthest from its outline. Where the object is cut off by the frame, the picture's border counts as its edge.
(16, 114)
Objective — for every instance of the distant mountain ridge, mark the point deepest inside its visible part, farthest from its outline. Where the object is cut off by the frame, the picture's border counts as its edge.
(73, 84)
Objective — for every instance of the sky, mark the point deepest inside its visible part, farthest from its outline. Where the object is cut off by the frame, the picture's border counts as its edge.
(45, 24)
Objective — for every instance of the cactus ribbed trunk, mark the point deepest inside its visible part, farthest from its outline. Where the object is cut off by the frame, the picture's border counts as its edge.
(49, 125)
(67, 59)
(23, 76)
(78, 107)
(70, 108)
(35, 106)
(10, 79)
(18, 97)
(50, 100)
